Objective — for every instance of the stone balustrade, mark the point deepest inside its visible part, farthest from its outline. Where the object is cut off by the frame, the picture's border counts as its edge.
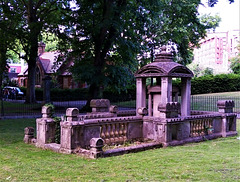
(113, 130)
(201, 127)
(86, 134)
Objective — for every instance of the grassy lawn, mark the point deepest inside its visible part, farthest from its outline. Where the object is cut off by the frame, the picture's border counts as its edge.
(216, 160)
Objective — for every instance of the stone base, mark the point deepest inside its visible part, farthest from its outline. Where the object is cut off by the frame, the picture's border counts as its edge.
(231, 133)
(193, 140)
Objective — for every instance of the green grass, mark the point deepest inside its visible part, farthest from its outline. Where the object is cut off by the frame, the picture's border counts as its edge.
(223, 94)
(215, 160)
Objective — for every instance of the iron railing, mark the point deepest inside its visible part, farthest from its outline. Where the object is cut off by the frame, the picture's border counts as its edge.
(17, 108)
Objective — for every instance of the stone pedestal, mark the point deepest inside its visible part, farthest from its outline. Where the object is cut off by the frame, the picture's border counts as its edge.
(29, 135)
(45, 127)
(169, 110)
(229, 121)
(100, 105)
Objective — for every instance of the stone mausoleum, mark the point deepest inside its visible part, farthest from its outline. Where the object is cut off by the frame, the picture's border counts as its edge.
(159, 120)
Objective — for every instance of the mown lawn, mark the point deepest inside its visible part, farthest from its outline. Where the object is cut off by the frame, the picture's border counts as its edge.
(216, 160)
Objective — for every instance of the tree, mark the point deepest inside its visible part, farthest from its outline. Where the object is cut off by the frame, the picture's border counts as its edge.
(235, 62)
(210, 22)
(211, 3)
(8, 22)
(36, 16)
(107, 36)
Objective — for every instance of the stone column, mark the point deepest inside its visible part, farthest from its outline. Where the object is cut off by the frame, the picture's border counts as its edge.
(166, 90)
(228, 122)
(46, 89)
(150, 104)
(141, 93)
(186, 97)
(69, 135)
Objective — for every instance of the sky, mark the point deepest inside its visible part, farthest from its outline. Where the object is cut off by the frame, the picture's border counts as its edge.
(229, 14)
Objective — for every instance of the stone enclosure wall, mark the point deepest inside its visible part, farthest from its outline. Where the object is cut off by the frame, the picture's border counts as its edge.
(105, 125)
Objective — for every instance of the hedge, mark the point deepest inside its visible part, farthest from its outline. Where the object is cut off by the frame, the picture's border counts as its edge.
(214, 84)
(199, 85)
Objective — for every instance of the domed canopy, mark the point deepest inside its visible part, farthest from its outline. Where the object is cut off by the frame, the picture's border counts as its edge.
(164, 67)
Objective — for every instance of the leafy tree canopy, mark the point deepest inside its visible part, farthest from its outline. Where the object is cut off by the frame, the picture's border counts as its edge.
(106, 36)
(235, 62)
(211, 3)
(210, 22)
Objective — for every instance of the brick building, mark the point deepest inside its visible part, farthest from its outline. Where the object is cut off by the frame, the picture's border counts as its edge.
(216, 50)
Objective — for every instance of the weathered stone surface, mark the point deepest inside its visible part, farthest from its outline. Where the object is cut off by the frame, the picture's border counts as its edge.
(169, 109)
(72, 114)
(45, 131)
(142, 111)
(29, 135)
(113, 109)
(100, 105)
(47, 111)
(167, 122)
(225, 106)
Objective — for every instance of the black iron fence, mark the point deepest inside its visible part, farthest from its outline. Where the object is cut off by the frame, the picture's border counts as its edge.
(209, 103)
(17, 108)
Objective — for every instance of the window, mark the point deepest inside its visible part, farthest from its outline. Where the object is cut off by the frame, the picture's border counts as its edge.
(12, 70)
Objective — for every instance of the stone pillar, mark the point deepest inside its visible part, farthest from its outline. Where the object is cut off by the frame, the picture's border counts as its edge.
(141, 93)
(72, 114)
(150, 104)
(186, 97)
(169, 110)
(225, 106)
(100, 105)
(46, 89)
(29, 135)
(96, 145)
(166, 90)
(69, 136)
(228, 122)
(45, 127)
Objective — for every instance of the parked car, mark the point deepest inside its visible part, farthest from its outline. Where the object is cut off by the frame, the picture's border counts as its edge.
(12, 93)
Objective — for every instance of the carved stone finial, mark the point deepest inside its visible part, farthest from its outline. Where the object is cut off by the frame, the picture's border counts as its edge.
(113, 109)
(142, 111)
(72, 114)
(225, 106)
(47, 111)
(100, 105)
(96, 145)
(169, 109)
(164, 56)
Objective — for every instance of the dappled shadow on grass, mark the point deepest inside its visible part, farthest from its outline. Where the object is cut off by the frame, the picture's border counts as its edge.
(215, 160)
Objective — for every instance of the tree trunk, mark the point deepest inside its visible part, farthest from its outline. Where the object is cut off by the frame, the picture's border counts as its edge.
(30, 95)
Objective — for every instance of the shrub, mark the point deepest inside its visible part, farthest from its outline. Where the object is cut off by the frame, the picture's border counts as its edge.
(214, 84)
